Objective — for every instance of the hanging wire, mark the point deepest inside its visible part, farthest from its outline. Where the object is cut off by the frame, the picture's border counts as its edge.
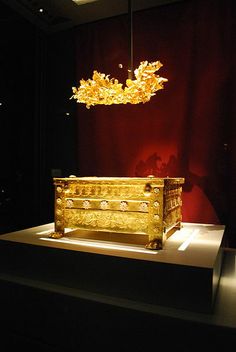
(130, 65)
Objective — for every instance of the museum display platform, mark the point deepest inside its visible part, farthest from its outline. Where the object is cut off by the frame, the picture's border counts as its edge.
(79, 293)
(184, 274)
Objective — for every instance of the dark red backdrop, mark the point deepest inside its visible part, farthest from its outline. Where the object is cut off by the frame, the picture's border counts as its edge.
(187, 129)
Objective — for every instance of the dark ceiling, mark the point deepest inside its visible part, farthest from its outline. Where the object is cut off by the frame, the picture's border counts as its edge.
(56, 15)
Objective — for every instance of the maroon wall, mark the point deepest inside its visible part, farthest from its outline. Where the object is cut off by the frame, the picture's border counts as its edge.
(187, 129)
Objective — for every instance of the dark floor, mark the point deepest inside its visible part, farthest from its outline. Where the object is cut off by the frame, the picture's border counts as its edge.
(50, 322)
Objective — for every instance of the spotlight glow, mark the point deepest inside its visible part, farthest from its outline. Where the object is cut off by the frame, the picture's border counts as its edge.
(100, 245)
(186, 243)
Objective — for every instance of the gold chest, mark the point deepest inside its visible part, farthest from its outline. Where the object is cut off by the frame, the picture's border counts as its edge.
(124, 205)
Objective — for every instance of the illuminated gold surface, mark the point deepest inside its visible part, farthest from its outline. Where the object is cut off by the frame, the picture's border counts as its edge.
(150, 206)
(103, 90)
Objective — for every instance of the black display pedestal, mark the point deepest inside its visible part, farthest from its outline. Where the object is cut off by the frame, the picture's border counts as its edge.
(62, 295)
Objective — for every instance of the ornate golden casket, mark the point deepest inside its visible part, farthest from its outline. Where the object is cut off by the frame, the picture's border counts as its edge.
(124, 205)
